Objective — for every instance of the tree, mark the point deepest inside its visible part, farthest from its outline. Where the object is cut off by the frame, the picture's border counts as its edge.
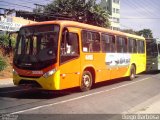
(147, 33)
(131, 31)
(86, 11)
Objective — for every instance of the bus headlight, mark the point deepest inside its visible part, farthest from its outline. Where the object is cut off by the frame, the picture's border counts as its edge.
(15, 72)
(49, 73)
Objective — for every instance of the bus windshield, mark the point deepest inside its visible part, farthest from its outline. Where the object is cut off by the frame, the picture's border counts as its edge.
(159, 48)
(36, 47)
(152, 49)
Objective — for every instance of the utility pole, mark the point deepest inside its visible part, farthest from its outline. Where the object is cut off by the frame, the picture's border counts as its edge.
(39, 8)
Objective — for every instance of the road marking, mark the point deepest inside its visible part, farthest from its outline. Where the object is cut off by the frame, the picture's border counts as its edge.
(72, 99)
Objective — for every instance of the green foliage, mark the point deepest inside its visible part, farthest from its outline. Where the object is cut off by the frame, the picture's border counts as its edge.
(3, 64)
(86, 11)
(129, 31)
(147, 33)
(4, 41)
(13, 41)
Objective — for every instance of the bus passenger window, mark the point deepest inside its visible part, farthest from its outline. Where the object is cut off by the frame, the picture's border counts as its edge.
(140, 46)
(85, 46)
(113, 45)
(69, 47)
(108, 43)
(73, 42)
(105, 43)
(135, 46)
(143, 46)
(90, 41)
(132, 45)
(96, 42)
(121, 45)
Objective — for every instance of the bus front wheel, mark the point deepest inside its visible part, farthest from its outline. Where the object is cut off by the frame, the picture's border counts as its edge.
(132, 72)
(86, 82)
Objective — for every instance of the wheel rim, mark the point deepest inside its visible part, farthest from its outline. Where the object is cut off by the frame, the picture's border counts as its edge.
(86, 80)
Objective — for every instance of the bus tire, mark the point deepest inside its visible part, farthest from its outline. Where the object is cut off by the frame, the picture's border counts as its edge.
(86, 81)
(132, 72)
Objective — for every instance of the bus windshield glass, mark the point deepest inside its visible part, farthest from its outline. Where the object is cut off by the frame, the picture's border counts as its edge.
(36, 47)
(152, 49)
(159, 48)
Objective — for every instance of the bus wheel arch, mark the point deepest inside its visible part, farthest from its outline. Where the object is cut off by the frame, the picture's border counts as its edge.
(87, 79)
(132, 74)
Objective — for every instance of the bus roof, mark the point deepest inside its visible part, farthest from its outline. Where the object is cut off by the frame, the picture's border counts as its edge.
(86, 26)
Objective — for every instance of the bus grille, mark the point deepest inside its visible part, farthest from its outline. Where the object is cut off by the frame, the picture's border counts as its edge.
(30, 76)
(30, 82)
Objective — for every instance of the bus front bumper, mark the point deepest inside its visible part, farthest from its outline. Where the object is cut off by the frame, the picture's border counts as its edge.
(49, 83)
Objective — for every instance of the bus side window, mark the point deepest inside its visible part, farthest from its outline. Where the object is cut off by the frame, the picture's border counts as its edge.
(85, 46)
(121, 45)
(143, 46)
(96, 42)
(132, 45)
(140, 46)
(90, 41)
(73, 42)
(135, 45)
(113, 44)
(69, 46)
(105, 43)
(108, 43)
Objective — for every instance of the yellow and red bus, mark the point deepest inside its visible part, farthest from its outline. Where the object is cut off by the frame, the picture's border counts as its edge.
(56, 55)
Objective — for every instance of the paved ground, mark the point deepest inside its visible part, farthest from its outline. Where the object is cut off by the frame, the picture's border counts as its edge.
(141, 96)
(7, 81)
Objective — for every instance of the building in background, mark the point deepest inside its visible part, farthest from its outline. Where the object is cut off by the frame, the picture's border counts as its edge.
(10, 23)
(113, 8)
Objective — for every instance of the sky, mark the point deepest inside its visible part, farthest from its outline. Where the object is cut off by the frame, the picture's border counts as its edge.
(135, 14)
(141, 14)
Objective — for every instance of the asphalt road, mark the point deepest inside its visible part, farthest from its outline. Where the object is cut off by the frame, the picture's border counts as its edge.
(111, 97)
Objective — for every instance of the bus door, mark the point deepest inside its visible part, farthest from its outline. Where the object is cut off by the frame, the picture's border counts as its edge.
(69, 58)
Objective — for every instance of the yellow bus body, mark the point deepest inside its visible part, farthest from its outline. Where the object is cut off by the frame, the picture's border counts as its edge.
(69, 74)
